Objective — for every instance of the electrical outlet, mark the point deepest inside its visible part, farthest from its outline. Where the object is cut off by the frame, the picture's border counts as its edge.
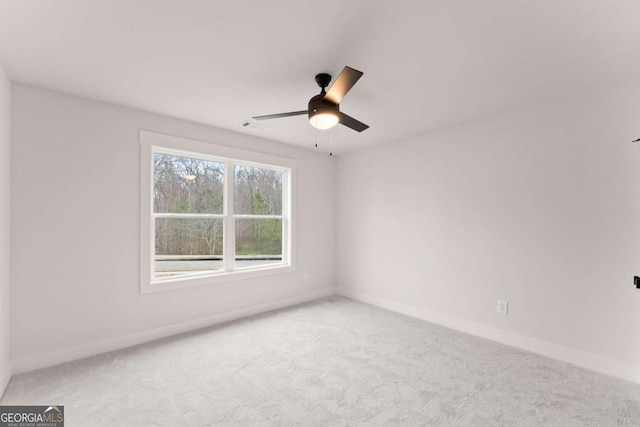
(503, 307)
(307, 278)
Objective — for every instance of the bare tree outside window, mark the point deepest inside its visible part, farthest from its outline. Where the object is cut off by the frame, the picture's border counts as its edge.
(258, 199)
(190, 191)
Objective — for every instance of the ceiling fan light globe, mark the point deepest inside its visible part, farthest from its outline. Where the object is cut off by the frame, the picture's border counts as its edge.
(324, 120)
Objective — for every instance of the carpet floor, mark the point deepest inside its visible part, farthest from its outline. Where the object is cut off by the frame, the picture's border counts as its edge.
(332, 362)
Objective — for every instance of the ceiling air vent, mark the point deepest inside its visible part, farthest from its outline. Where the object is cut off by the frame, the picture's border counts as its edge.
(250, 124)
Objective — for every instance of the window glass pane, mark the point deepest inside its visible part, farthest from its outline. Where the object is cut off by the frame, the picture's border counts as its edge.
(258, 242)
(186, 185)
(187, 246)
(258, 191)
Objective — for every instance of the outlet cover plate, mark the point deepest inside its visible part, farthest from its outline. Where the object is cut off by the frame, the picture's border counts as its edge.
(503, 307)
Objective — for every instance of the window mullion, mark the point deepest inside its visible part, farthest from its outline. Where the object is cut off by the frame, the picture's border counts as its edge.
(252, 216)
(286, 215)
(186, 215)
(229, 222)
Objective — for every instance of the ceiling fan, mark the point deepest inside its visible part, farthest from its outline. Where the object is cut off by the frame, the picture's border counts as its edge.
(324, 109)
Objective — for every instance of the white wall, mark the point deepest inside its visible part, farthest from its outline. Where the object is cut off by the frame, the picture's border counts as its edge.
(5, 228)
(76, 197)
(539, 206)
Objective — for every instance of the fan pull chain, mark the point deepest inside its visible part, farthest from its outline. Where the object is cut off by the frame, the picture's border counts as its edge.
(331, 142)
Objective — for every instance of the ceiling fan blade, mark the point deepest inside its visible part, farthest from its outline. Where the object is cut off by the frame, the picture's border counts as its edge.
(343, 84)
(277, 116)
(352, 123)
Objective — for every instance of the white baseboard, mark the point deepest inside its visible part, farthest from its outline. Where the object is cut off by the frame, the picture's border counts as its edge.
(576, 357)
(5, 376)
(56, 357)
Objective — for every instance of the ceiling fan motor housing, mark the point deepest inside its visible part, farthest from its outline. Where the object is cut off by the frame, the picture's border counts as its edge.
(320, 105)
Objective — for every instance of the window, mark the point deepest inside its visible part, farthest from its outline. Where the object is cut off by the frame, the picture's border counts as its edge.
(212, 213)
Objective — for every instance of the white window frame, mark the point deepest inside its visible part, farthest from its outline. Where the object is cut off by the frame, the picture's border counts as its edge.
(151, 143)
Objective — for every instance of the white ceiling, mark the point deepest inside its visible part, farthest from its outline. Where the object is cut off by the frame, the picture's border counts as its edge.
(426, 64)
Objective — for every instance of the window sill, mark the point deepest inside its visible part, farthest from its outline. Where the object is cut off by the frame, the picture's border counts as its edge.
(224, 277)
